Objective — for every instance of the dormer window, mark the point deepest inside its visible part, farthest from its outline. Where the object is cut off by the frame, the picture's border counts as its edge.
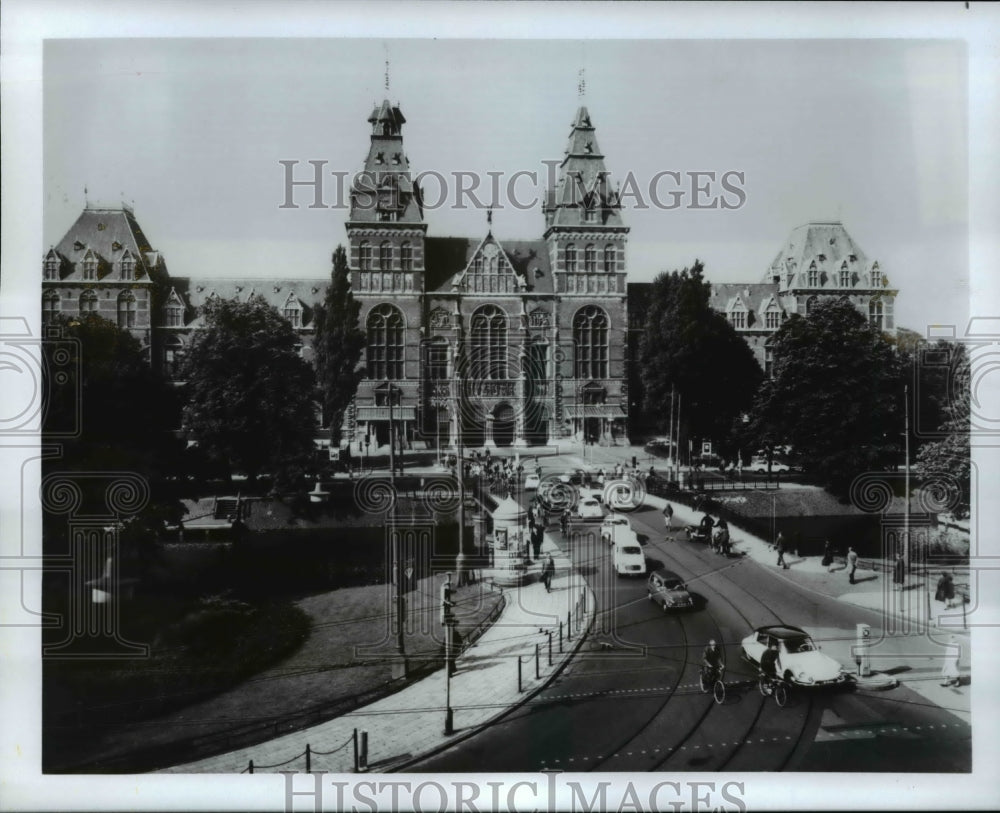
(90, 267)
(128, 267)
(380, 158)
(397, 159)
(78, 246)
(293, 312)
(772, 319)
(175, 314)
(813, 276)
(51, 267)
(876, 276)
(738, 317)
(590, 209)
(845, 276)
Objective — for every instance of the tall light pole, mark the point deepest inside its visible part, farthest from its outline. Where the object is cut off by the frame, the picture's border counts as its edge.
(399, 669)
(906, 478)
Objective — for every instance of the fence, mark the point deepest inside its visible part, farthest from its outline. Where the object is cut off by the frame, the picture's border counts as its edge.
(360, 755)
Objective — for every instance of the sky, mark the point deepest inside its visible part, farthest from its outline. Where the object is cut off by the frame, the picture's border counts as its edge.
(872, 132)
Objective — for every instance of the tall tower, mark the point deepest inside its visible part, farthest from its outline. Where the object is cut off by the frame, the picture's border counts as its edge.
(385, 232)
(586, 237)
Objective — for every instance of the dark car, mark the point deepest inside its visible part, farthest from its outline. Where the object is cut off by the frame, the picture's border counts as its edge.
(658, 448)
(668, 590)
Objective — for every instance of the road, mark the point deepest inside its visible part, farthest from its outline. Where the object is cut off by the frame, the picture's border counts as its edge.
(630, 700)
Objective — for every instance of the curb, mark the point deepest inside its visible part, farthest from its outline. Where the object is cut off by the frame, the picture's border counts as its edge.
(524, 698)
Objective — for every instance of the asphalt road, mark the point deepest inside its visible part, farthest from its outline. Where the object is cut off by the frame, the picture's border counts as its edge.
(630, 699)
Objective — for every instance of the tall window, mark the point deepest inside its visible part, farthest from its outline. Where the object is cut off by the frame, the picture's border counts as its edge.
(876, 314)
(88, 302)
(768, 362)
(293, 313)
(610, 259)
(813, 276)
(126, 309)
(876, 276)
(845, 276)
(175, 315)
(590, 208)
(128, 267)
(173, 355)
(365, 256)
(590, 260)
(811, 304)
(406, 257)
(571, 258)
(385, 342)
(489, 343)
(90, 268)
(590, 335)
(52, 267)
(385, 256)
(437, 360)
(738, 317)
(772, 319)
(50, 306)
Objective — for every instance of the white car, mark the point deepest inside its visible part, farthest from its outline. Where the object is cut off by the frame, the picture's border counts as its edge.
(531, 482)
(622, 495)
(628, 557)
(611, 527)
(760, 465)
(589, 508)
(799, 659)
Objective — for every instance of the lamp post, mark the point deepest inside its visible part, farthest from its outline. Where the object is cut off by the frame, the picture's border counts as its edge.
(399, 669)
(906, 476)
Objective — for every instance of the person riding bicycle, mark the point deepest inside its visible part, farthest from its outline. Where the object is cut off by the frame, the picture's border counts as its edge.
(712, 657)
(769, 661)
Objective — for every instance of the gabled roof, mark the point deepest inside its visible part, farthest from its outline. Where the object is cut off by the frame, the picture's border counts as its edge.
(307, 291)
(109, 233)
(447, 258)
(753, 295)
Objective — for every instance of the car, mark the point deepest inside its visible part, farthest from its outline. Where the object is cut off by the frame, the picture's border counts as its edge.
(799, 658)
(628, 557)
(658, 448)
(573, 476)
(531, 482)
(611, 525)
(668, 590)
(589, 508)
(622, 495)
(759, 464)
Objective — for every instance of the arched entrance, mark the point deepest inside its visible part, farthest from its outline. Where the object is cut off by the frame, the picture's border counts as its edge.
(503, 425)
(536, 425)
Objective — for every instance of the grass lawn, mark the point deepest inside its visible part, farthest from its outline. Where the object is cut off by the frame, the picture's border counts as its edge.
(342, 661)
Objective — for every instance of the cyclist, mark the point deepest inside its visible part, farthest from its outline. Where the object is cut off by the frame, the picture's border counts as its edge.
(769, 661)
(713, 659)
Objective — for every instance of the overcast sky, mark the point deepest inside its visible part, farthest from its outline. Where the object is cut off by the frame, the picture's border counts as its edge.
(873, 132)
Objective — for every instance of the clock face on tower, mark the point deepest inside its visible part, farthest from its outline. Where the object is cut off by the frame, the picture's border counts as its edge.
(490, 250)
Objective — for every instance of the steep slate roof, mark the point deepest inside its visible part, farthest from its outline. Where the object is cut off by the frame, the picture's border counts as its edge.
(308, 291)
(828, 245)
(448, 257)
(109, 233)
(755, 296)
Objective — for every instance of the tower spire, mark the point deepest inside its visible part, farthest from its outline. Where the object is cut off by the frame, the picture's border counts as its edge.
(581, 84)
(386, 69)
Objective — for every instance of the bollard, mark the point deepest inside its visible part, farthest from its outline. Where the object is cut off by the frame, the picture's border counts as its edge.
(569, 625)
(538, 673)
(549, 633)
(519, 689)
(363, 751)
(250, 768)
(308, 759)
(560, 637)
(357, 763)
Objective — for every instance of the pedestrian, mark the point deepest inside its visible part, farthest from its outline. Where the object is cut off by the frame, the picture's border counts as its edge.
(945, 590)
(537, 535)
(668, 515)
(852, 563)
(779, 544)
(827, 555)
(898, 572)
(564, 521)
(721, 538)
(949, 672)
(548, 571)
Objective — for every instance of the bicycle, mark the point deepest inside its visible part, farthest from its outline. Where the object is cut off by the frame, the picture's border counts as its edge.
(773, 686)
(710, 679)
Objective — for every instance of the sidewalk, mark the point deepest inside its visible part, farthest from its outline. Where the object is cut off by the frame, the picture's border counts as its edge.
(410, 723)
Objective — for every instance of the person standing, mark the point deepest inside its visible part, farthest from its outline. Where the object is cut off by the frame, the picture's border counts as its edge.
(548, 571)
(779, 545)
(898, 572)
(852, 563)
(827, 555)
(945, 590)
(949, 672)
(668, 516)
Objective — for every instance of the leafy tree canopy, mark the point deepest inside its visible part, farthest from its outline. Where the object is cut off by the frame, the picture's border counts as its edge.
(691, 348)
(338, 345)
(250, 394)
(836, 395)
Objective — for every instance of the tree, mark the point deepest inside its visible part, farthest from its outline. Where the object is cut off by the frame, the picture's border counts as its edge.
(250, 394)
(836, 395)
(951, 454)
(338, 344)
(691, 349)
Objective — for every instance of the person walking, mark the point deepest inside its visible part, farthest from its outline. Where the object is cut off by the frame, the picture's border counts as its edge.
(852, 563)
(548, 571)
(827, 555)
(779, 545)
(898, 572)
(945, 590)
(668, 516)
(949, 672)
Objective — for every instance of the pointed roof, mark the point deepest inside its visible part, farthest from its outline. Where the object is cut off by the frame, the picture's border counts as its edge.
(384, 191)
(448, 258)
(107, 233)
(823, 244)
(584, 182)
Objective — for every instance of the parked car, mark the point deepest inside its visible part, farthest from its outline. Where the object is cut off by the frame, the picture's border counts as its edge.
(589, 508)
(799, 659)
(628, 557)
(622, 495)
(611, 525)
(658, 448)
(759, 464)
(668, 590)
(531, 482)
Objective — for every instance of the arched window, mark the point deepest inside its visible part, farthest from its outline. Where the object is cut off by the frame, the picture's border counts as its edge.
(876, 314)
(292, 311)
(128, 266)
(88, 302)
(590, 260)
(813, 276)
(571, 258)
(590, 335)
(876, 276)
(385, 256)
(845, 276)
(610, 259)
(385, 342)
(489, 343)
(50, 306)
(126, 309)
(406, 257)
(365, 256)
(175, 314)
(811, 304)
